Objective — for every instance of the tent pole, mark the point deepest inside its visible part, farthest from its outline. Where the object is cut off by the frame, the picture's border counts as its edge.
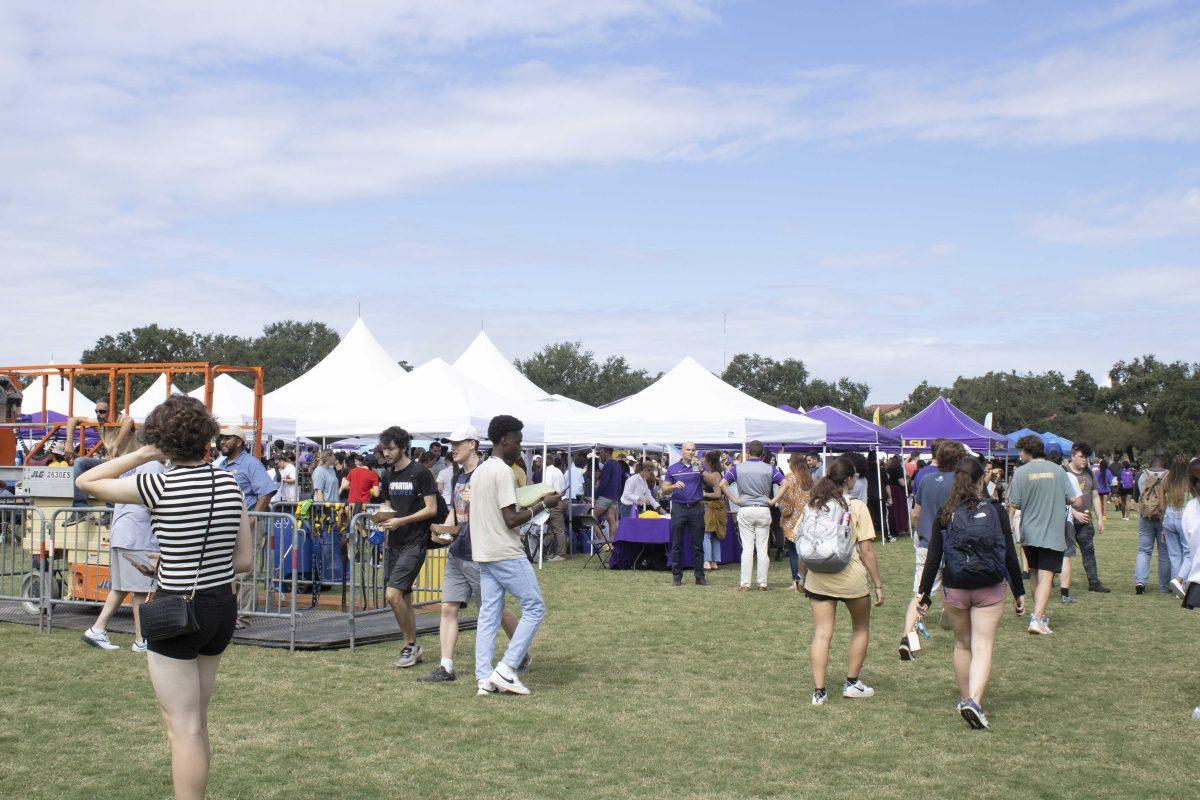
(592, 538)
(542, 538)
(883, 521)
(570, 492)
(908, 492)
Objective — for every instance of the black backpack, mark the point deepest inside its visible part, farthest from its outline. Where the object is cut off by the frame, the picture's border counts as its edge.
(973, 547)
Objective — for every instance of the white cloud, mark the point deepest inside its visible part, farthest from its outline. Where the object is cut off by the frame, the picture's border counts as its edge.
(1105, 221)
(890, 257)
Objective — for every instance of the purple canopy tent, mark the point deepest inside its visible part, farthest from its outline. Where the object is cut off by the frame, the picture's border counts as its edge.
(941, 420)
(37, 429)
(846, 431)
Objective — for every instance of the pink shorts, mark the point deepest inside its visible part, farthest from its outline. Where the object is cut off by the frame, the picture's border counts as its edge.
(974, 598)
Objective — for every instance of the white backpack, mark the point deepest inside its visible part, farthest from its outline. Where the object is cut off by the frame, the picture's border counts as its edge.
(823, 537)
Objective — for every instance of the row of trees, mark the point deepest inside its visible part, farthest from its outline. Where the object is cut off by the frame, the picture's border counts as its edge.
(1148, 403)
(568, 369)
(285, 350)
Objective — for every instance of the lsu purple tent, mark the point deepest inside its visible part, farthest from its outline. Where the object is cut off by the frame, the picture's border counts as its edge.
(846, 431)
(941, 420)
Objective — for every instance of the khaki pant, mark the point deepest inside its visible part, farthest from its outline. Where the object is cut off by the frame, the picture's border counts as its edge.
(754, 525)
(558, 530)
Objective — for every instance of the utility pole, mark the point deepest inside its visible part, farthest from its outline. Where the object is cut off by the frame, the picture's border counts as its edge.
(724, 339)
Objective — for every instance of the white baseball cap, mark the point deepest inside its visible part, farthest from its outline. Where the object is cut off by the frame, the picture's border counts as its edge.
(463, 434)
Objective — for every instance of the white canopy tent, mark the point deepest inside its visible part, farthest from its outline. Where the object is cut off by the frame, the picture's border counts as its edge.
(140, 408)
(233, 404)
(688, 403)
(435, 398)
(332, 398)
(483, 362)
(58, 393)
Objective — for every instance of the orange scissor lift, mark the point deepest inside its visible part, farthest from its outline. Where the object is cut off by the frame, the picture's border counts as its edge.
(81, 552)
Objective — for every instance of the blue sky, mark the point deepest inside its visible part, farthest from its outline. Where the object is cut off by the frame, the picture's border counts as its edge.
(892, 191)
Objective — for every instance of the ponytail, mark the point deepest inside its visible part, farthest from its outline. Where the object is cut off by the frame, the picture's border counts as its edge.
(965, 487)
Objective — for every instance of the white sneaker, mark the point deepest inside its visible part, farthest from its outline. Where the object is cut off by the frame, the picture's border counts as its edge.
(98, 639)
(1196, 713)
(139, 646)
(857, 689)
(1040, 626)
(485, 688)
(1178, 588)
(556, 558)
(819, 697)
(511, 685)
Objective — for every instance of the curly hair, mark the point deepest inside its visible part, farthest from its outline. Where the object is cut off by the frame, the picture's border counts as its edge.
(180, 427)
(503, 425)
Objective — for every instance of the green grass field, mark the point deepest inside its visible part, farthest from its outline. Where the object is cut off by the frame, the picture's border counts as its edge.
(643, 690)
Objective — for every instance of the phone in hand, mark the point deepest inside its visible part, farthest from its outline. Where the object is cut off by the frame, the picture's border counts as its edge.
(143, 564)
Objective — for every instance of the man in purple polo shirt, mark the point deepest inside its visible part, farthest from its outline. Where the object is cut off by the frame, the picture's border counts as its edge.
(683, 484)
(609, 486)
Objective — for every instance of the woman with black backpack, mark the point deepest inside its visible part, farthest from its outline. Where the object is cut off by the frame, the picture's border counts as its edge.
(973, 538)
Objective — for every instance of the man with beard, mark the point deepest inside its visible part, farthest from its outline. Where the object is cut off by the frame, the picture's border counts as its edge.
(258, 489)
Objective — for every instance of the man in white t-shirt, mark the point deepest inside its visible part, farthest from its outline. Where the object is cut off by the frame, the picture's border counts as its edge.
(496, 547)
(289, 489)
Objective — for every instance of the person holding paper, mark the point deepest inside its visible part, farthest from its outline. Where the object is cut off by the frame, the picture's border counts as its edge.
(496, 520)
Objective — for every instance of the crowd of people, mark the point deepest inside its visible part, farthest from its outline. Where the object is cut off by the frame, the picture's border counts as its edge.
(181, 490)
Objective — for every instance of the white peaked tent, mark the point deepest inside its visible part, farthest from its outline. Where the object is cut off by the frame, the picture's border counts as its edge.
(435, 398)
(329, 399)
(140, 408)
(484, 363)
(688, 403)
(233, 404)
(232, 399)
(58, 393)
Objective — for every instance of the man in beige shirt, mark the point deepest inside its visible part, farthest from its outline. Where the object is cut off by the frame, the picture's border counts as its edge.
(112, 442)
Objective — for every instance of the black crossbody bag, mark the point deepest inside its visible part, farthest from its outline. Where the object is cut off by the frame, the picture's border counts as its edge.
(168, 616)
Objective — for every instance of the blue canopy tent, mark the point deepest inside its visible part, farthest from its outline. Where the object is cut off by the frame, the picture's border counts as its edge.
(1048, 439)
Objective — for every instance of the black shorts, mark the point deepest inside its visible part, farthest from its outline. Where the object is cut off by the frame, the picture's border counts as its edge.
(1191, 597)
(829, 599)
(403, 562)
(1125, 492)
(1043, 558)
(216, 611)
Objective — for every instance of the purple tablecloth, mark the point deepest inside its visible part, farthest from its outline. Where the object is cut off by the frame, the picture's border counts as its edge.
(638, 536)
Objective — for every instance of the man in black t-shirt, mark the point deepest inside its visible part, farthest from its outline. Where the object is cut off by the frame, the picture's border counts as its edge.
(412, 494)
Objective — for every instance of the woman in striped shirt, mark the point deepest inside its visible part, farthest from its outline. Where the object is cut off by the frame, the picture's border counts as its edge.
(203, 532)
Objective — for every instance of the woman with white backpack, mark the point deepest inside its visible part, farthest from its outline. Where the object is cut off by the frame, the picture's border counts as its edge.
(973, 542)
(833, 539)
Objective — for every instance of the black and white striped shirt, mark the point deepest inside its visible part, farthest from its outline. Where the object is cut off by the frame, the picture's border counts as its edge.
(179, 503)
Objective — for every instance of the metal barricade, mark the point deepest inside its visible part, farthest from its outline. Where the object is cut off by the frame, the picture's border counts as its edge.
(367, 554)
(269, 590)
(25, 556)
(79, 564)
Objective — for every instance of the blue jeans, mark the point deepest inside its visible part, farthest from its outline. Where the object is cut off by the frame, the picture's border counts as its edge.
(712, 548)
(81, 466)
(1149, 532)
(1177, 544)
(794, 559)
(515, 576)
